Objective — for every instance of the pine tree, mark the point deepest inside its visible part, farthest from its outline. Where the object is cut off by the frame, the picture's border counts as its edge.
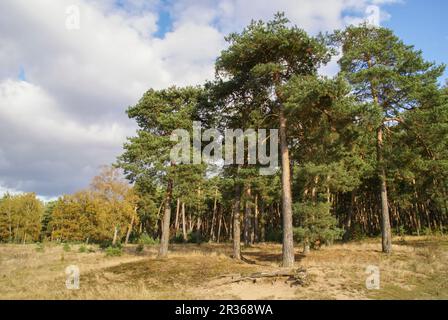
(389, 77)
(147, 156)
(253, 69)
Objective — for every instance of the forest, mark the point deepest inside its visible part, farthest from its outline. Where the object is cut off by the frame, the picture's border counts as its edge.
(363, 154)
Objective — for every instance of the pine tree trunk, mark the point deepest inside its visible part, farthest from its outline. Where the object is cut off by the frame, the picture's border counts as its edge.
(190, 223)
(184, 223)
(228, 230)
(176, 223)
(165, 238)
(236, 223)
(114, 241)
(255, 233)
(247, 218)
(306, 246)
(128, 234)
(348, 223)
(288, 242)
(220, 218)
(212, 229)
(262, 219)
(385, 220)
(198, 230)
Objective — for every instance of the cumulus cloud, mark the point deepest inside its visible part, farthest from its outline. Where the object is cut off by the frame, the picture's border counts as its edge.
(63, 93)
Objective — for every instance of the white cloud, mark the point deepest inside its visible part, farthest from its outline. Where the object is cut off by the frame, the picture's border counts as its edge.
(57, 128)
(35, 113)
(189, 52)
(41, 147)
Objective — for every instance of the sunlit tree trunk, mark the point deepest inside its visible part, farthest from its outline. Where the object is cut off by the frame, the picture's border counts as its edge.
(219, 225)
(255, 233)
(385, 219)
(114, 240)
(176, 222)
(184, 223)
(288, 243)
(212, 229)
(131, 225)
(165, 238)
(247, 217)
(236, 223)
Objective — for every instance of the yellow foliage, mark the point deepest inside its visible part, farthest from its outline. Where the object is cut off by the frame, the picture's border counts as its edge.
(95, 213)
(20, 218)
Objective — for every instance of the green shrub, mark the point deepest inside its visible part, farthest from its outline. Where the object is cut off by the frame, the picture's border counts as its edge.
(178, 238)
(113, 251)
(318, 225)
(147, 240)
(195, 237)
(82, 249)
(108, 243)
(66, 247)
(399, 231)
(105, 244)
(357, 233)
(440, 232)
(317, 238)
(192, 237)
(274, 235)
(329, 236)
(427, 231)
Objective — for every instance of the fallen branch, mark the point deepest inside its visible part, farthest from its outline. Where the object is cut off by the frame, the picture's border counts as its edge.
(296, 277)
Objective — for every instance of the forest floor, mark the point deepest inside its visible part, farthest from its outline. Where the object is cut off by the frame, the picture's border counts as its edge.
(417, 269)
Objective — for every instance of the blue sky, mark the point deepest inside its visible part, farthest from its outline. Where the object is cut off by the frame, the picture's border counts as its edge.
(423, 24)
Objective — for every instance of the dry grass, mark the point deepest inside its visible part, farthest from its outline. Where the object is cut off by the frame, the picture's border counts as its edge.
(417, 269)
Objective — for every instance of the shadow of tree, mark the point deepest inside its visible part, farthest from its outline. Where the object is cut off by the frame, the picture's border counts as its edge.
(259, 256)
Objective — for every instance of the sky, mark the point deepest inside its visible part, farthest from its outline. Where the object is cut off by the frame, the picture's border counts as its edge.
(423, 24)
(69, 69)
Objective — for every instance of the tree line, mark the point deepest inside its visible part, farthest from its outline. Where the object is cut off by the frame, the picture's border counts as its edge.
(104, 212)
(363, 153)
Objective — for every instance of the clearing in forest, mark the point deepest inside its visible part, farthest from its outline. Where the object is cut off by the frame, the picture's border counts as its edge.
(415, 270)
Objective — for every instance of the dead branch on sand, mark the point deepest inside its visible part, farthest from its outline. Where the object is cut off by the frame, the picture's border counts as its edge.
(296, 277)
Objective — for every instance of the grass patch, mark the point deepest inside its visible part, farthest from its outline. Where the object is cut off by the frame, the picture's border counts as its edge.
(113, 251)
(415, 270)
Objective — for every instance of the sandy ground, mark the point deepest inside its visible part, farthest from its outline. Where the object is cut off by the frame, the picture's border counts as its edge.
(417, 269)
